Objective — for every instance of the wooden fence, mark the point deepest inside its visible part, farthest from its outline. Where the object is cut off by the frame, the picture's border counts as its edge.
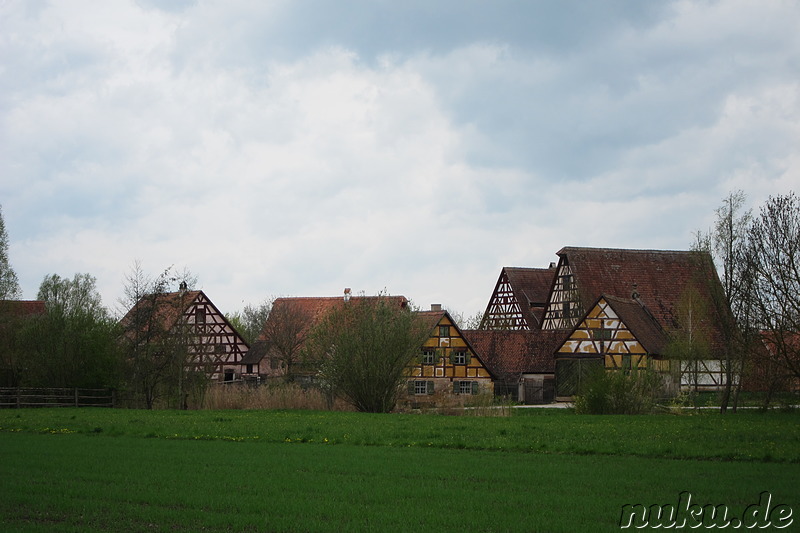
(16, 397)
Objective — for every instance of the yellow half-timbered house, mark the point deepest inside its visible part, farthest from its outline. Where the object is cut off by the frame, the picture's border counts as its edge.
(447, 363)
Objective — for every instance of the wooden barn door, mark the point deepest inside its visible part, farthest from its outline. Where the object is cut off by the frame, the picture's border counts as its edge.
(572, 373)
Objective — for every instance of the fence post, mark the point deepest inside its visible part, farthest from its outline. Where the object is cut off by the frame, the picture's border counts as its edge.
(76, 397)
(18, 398)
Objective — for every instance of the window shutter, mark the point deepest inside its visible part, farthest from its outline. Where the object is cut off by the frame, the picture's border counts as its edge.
(475, 387)
(455, 387)
(452, 358)
(467, 357)
(431, 387)
(437, 356)
(411, 388)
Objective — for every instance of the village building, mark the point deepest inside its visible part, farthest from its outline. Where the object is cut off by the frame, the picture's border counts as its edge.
(190, 320)
(614, 308)
(446, 362)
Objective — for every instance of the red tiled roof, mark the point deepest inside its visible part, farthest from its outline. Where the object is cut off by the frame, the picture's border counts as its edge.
(533, 283)
(22, 308)
(659, 277)
(640, 322)
(507, 352)
(317, 307)
(531, 288)
(169, 307)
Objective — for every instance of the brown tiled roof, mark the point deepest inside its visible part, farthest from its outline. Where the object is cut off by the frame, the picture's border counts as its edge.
(640, 322)
(533, 283)
(169, 306)
(509, 353)
(432, 318)
(658, 277)
(256, 353)
(317, 307)
(531, 288)
(20, 308)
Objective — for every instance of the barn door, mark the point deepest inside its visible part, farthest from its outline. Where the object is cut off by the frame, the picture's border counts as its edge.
(572, 373)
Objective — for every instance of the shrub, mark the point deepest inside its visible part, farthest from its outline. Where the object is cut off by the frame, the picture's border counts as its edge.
(616, 392)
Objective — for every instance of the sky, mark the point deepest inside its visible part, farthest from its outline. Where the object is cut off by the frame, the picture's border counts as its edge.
(295, 148)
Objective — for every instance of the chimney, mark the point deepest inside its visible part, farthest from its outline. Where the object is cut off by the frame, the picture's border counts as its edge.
(552, 265)
(347, 294)
(436, 307)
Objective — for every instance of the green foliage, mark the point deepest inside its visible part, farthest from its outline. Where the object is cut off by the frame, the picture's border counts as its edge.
(618, 392)
(9, 284)
(134, 470)
(250, 321)
(363, 348)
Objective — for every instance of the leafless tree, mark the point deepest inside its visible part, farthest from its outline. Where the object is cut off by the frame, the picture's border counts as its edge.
(285, 332)
(774, 250)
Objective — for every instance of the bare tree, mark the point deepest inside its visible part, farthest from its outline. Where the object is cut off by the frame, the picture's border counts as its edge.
(285, 332)
(774, 250)
(155, 338)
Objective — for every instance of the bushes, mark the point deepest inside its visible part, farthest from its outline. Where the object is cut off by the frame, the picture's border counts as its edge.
(617, 392)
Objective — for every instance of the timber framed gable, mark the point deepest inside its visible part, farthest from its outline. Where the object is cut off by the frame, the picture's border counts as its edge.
(447, 362)
(564, 307)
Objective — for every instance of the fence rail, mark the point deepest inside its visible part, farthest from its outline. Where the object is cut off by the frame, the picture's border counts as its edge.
(16, 397)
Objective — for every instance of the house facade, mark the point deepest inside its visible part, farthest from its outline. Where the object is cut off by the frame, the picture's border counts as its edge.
(447, 362)
(190, 320)
(616, 309)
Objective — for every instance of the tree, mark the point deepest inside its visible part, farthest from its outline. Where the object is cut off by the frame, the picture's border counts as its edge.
(9, 285)
(774, 252)
(732, 305)
(285, 332)
(689, 346)
(155, 349)
(363, 349)
(250, 321)
(74, 343)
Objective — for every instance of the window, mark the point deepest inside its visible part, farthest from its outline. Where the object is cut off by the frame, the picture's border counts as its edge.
(200, 315)
(249, 369)
(602, 334)
(444, 331)
(460, 357)
(428, 357)
(420, 387)
(229, 374)
(465, 387)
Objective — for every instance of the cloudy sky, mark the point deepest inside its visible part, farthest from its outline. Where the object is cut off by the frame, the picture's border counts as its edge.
(298, 147)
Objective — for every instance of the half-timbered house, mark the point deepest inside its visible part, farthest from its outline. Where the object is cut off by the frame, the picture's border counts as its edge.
(190, 319)
(615, 308)
(277, 351)
(447, 362)
(622, 307)
(518, 300)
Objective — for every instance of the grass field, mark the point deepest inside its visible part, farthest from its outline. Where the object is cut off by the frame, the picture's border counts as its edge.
(540, 470)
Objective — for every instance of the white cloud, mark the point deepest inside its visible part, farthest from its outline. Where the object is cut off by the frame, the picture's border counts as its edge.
(209, 136)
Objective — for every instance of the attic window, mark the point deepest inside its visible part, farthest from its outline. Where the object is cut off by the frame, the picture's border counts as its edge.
(428, 357)
(444, 331)
(602, 334)
(200, 315)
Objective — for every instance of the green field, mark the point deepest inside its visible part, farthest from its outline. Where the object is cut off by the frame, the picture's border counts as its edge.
(540, 470)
